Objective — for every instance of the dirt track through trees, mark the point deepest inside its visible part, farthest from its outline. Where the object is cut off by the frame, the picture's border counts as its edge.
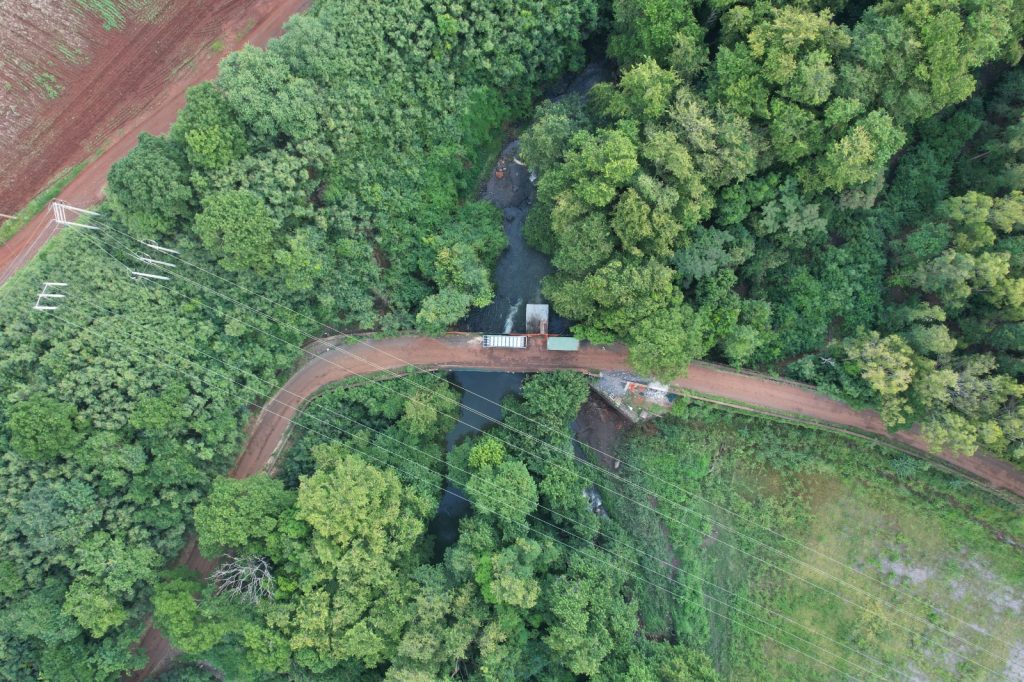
(756, 391)
(269, 430)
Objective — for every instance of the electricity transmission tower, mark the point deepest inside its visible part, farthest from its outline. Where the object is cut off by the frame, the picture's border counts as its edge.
(45, 295)
(66, 215)
(152, 261)
(60, 216)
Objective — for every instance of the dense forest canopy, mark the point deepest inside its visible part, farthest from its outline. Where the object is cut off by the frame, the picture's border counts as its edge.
(790, 186)
(518, 596)
(828, 189)
(328, 173)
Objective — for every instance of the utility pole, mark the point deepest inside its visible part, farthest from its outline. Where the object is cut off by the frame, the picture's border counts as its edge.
(45, 295)
(60, 215)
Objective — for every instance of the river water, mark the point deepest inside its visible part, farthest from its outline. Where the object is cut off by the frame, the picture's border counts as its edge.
(520, 269)
(480, 408)
(517, 278)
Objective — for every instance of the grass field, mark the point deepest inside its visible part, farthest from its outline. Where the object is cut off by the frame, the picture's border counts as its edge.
(39, 202)
(869, 562)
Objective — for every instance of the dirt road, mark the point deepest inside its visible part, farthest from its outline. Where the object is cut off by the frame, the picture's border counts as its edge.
(778, 397)
(132, 85)
(326, 364)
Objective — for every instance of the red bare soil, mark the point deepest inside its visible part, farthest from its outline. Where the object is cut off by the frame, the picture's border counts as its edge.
(133, 83)
(756, 392)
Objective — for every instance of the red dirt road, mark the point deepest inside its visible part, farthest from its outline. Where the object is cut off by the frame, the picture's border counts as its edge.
(129, 87)
(762, 393)
(326, 364)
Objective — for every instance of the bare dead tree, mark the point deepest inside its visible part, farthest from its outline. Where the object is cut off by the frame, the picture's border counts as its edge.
(248, 577)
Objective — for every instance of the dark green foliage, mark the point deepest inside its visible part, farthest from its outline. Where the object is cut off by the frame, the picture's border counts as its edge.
(185, 672)
(148, 191)
(748, 207)
(236, 225)
(328, 173)
(518, 597)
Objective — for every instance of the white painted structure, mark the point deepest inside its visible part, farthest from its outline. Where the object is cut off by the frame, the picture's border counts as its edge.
(504, 341)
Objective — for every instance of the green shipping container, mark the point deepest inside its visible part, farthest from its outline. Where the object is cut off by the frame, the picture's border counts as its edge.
(563, 343)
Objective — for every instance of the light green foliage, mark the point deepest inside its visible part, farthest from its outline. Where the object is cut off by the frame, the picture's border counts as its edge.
(861, 153)
(506, 492)
(237, 226)
(41, 427)
(915, 58)
(488, 452)
(363, 526)
(212, 137)
(240, 512)
(811, 493)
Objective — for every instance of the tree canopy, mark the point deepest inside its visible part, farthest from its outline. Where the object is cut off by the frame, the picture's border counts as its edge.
(823, 192)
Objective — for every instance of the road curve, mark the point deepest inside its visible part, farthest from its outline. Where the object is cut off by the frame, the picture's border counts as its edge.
(327, 363)
(331, 360)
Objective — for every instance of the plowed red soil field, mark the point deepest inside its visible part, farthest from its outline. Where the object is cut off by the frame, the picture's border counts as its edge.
(128, 81)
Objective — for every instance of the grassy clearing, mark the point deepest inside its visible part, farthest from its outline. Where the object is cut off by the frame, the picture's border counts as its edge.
(115, 13)
(938, 586)
(11, 226)
(974, 583)
(47, 82)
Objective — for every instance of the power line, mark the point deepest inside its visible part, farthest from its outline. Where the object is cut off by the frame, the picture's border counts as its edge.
(273, 398)
(558, 451)
(604, 472)
(45, 295)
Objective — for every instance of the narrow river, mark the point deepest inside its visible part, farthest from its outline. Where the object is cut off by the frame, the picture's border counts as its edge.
(517, 280)
(518, 274)
(481, 402)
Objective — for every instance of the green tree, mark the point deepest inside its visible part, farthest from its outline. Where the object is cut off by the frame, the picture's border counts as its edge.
(364, 526)
(237, 226)
(211, 136)
(42, 427)
(651, 28)
(505, 493)
(148, 191)
(241, 514)
(489, 451)
(586, 614)
(860, 155)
